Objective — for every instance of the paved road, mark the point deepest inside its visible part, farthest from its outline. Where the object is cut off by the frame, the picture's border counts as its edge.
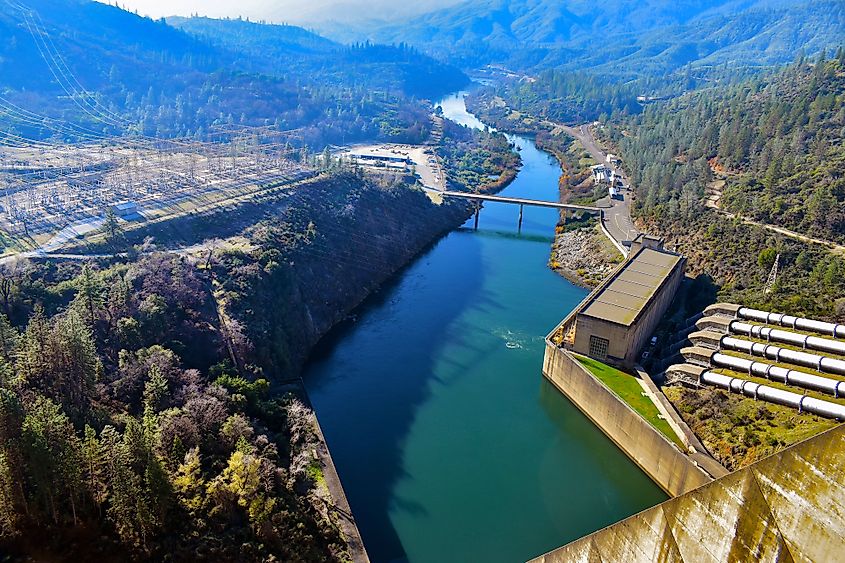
(617, 218)
(583, 134)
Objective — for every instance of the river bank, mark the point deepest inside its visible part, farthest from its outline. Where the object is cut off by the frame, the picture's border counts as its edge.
(430, 397)
(580, 252)
(583, 256)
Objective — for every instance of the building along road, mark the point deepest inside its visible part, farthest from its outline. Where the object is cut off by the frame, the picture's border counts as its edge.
(617, 218)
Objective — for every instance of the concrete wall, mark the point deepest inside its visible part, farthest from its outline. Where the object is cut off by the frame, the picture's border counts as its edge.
(644, 325)
(787, 507)
(618, 337)
(645, 445)
(625, 342)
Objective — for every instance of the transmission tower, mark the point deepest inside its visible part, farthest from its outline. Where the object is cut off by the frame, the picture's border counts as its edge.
(773, 276)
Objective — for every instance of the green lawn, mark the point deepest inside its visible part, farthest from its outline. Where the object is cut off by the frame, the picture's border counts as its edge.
(629, 390)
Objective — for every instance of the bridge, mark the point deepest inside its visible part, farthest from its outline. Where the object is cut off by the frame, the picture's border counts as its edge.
(521, 202)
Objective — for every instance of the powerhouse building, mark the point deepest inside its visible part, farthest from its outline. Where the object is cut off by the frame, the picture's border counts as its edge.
(616, 320)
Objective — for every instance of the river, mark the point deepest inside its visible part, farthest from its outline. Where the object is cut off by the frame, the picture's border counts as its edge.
(450, 444)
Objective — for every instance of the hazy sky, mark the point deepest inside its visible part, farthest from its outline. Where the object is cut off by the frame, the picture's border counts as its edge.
(215, 8)
(293, 11)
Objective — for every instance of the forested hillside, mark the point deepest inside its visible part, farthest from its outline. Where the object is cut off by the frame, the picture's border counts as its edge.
(307, 58)
(776, 142)
(621, 38)
(126, 434)
(572, 97)
(143, 412)
(113, 72)
(773, 146)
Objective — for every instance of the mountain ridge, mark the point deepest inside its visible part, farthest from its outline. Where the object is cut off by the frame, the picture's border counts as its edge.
(657, 35)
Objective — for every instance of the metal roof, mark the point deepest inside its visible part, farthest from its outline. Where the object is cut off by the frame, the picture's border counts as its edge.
(632, 287)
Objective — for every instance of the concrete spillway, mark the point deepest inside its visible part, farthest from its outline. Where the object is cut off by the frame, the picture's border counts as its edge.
(787, 507)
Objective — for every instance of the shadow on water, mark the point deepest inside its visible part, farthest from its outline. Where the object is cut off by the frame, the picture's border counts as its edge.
(512, 235)
(629, 484)
(447, 448)
(399, 370)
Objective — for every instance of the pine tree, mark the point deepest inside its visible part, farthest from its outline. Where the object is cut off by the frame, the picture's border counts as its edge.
(118, 301)
(9, 515)
(112, 228)
(52, 453)
(30, 362)
(93, 471)
(128, 509)
(8, 338)
(90, 293)
(12, 478)
(74, 361)
(155, 389)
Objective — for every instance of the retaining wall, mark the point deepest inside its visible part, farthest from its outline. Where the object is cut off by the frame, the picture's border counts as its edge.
(787, 507)
(667, 466)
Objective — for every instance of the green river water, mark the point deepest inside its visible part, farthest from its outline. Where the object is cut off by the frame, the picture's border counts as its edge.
(450, 444)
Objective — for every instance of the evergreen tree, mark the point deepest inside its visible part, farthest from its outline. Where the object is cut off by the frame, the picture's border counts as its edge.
(8, 339)
(74, 361)
(9, 514)
(51, 449)
(155, 389)
(31, 366)
(90, 294)
(129, 509)
(93, 470)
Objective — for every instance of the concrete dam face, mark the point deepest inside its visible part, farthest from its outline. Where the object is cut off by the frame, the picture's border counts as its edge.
(787, 507)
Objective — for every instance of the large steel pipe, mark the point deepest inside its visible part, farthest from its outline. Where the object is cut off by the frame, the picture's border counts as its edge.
(782, 375)
(779, 354)
(803, 340)
(786, 398)
(831, 329)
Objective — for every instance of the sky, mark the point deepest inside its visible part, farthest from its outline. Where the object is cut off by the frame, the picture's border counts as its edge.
(213, 8)
(283, 11)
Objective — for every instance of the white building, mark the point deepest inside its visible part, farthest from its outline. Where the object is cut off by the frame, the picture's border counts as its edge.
(601, 174)
(613, 160)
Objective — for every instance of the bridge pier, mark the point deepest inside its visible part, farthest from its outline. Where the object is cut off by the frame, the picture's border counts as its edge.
(477, 211)
(519, 227)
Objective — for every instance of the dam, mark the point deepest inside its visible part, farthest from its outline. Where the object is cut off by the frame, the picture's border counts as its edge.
(449, 443)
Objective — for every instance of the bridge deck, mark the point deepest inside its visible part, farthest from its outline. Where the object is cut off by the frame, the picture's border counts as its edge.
(520, 201)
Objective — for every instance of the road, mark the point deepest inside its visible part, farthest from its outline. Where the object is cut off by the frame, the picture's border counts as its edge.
(583, 134)
(617, 217)
(838, 248)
